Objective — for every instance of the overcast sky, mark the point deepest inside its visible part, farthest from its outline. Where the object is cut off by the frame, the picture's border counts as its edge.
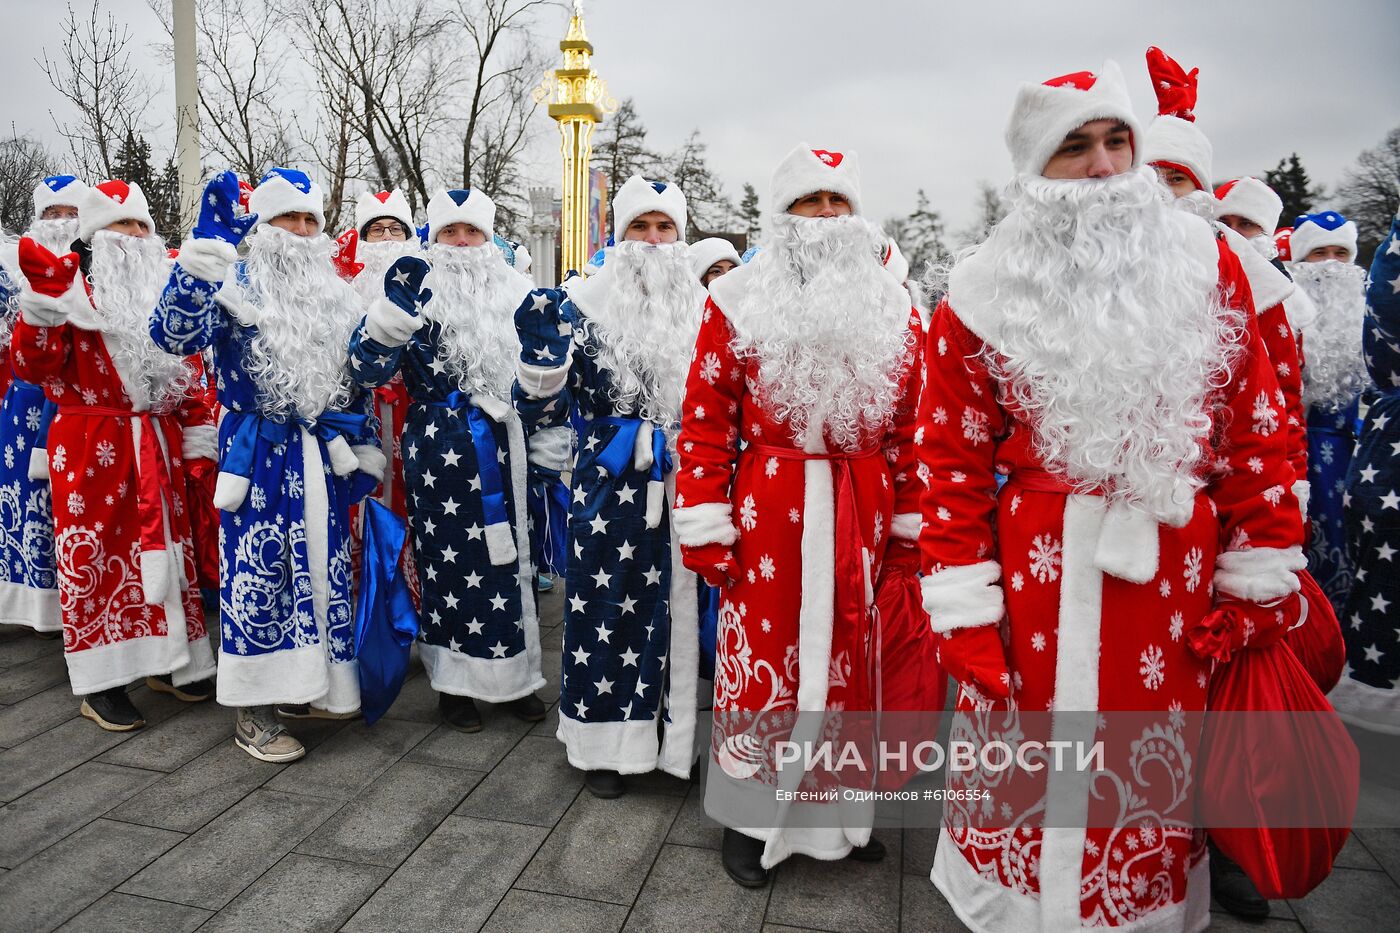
(921, 89)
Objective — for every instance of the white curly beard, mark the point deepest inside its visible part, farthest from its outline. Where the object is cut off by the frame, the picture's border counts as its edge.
(377, 258)
(831, 346)
(645, 336)
(475, 294)
(127, 276)
(306, 315)
(55, 234)
(1334, 367)
(1114, 336)
(1198, 203)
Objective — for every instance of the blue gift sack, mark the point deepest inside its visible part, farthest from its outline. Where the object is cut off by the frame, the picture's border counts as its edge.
(385, 620)
(709, 627)
(548, 499)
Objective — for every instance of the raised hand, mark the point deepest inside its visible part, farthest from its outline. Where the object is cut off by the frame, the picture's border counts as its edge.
(346, 246)
(544, 334)
(47, 274)
(219, 218)
(403, 284)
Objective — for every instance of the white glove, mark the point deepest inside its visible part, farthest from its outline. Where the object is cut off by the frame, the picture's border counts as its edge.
(390, 325)
(41, 310)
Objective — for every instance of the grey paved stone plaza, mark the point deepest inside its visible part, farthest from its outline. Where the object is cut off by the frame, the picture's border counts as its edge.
(408, 825)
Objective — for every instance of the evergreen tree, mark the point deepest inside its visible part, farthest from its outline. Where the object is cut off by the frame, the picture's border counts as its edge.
(920, 236)
(708, 207)
(621, 150)
(1368, 195)
(990, 211)
(750, 217)
(165, 201)
(1291, 182)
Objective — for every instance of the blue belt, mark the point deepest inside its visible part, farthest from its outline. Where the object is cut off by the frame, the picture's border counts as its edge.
(251, 425)
(493, 493)
(616, 455)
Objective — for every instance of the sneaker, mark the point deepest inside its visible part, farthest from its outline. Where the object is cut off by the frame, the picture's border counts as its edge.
(546, 583)
(307, 711)
(460, 712)
(197, 692)
(112, 710)
(529, 708)
(258, 733)
(604, 784)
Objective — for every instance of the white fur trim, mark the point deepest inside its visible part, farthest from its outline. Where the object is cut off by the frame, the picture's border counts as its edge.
(343, 459)
(292, 675)
(1180, 144)
(1300, 310)
(500, 546)
(1376, 709)
(371, 206)
(628, 747)
(1309, 236)
(707, 252)
(1302, 491)
(964, 597)
(30, 607)
(200, 442)
(525, 568)
(906, 525)
(1128, 544)
(495, 680)
(805, 171)
(71, 194)
(705, 523)
(209, 260)
(1259, 574)
(1250, 198)
(39, 464)
(1043, 116)
(41, 310)
(542, 381)
(232, 299)
(1267, 283)
(477, 209)
(100, 208)
(637, 196)
(370, 460)
(682, 697)
(497, 410)
(155, 576)
(230, 490)
(642, 458)
(342, 685)
(551, 448)
(390, 325)
(275, 196)
(656, 502)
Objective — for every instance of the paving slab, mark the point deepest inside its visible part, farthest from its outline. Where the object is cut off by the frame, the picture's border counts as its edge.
(688, 890)
(36, 714)
(191, 732)
(1355, 855)
(351, 759)
(922, 907)
(214, 865)
(303, 893)
(23, 646)
(854, 897)
(602, 849)
(1384, 847)
(190, 797)
(692, 826)
(65, 878)
(44, 757)
(416, 702)
(388, 819)
(1348, 901)
(127, 914)
(533, 912)
(67, 803)
(476, 751)
(1224, 923)
(454, 881)
(30, 677)
(533, 784)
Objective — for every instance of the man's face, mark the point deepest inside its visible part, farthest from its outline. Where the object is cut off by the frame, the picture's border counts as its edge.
(59, 212)
(1324, 253)
(1245, 228)
(383, 229)
(136, 228)
(821, 204)
(1098, 149)
(652, 227)
(716, 270)
(460, 235)
(300, 223)
(1177, 181)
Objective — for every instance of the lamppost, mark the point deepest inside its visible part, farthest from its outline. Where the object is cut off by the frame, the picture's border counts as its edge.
(578, 99)
(186, 112)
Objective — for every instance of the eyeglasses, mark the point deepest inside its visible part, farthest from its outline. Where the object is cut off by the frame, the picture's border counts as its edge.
(395, 230)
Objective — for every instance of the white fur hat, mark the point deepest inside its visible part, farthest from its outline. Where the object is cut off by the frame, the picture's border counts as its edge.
(58, 190)
(709, 251)
(1250, 198)
(1173, 140)
(373, 205)
(805, 171)
(637, 196)
(461, 206)
(1325, 228)
(285, 191)
(1045, 114)
(109, 202)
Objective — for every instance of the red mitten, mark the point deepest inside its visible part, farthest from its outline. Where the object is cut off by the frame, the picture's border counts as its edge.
(1235, 624)
(714, 563)
(975, 657)
(346, 245)
(49, 275)
(901, 557)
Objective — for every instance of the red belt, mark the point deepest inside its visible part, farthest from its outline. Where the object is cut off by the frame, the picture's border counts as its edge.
(1036, 479)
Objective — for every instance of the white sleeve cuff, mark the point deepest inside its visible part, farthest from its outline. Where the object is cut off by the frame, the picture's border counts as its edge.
(41, 310)
(207, 259)
(550, 448)
(1259, 574)
(388, 324)
(906, 525)
(541, 381)
(706, 523)
(201, 441)
(1302, 490)
(372, 461)
(964, 597)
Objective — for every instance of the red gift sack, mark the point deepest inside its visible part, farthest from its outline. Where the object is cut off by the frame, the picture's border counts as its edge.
(1317, 643)
(1277, 788)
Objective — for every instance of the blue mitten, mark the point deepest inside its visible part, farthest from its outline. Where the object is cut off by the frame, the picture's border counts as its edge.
(403, 284)
(545, 335)
(219, 218)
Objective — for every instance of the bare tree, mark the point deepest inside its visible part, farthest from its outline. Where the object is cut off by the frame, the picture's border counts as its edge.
(23, 162)
(708, 207)
(1369, 196)
(621, 148)
(94, 72)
